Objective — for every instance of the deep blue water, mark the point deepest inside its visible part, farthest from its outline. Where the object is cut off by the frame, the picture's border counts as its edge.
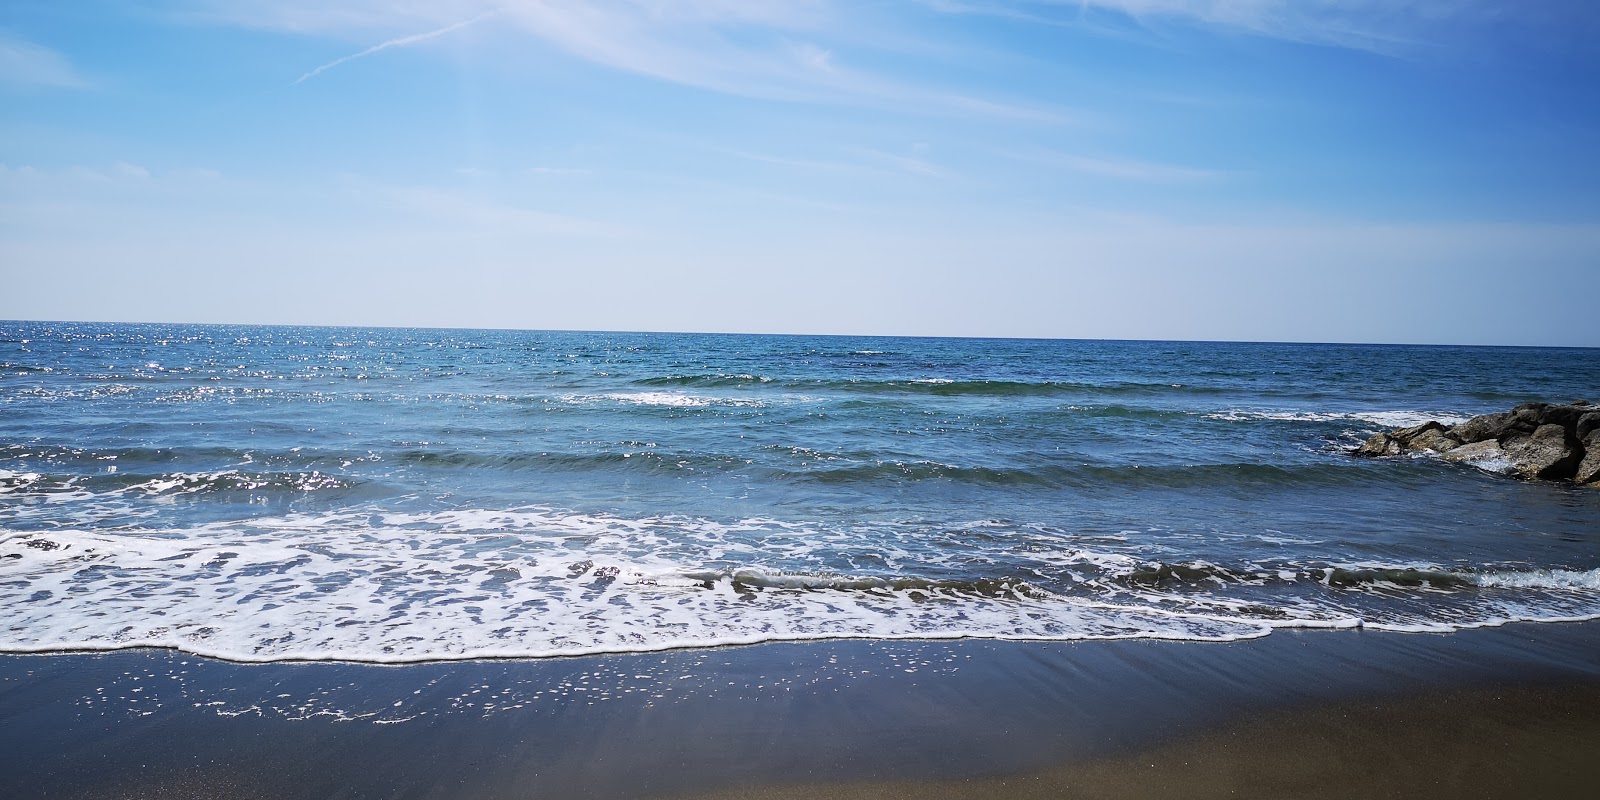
(388, 494)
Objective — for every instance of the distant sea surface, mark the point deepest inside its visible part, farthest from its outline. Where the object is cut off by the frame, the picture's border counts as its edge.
(385, 495)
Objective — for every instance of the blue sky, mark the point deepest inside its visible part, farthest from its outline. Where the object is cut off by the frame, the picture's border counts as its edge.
(1312, 170)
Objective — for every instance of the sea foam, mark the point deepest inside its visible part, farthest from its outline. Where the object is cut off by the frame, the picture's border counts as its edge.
(532, 582)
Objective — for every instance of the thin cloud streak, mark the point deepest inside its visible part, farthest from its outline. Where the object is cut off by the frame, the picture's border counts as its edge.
(784, 51)
(402, 41)
(1118, 168)
(1389, 27)
(24, 63)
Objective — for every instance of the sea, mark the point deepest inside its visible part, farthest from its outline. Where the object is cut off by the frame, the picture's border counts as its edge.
(398, 495)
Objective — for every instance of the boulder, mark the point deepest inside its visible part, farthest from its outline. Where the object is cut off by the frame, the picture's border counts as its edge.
(1566, 415)
(1438, 440)
(1407, 434)
(1431, 435)
(1483, 427)
(1586, 424)
(1381, 444)
(1548, 441)
(1547, 453)
(1588, 472)
(1484, 455)
(1529, 412)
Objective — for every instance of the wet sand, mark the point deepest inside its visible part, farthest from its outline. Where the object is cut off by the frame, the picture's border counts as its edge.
(1512, 742)
(1502, 712)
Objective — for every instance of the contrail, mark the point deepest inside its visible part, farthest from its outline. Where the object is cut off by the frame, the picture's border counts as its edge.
(400, 42)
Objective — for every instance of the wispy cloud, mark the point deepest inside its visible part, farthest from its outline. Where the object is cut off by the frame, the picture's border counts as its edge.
(807, 51)
(805, 164)
(542, 171)
(914, 164)
(401, 41)
(28, 64)
(1389, 26)
(1117, 168)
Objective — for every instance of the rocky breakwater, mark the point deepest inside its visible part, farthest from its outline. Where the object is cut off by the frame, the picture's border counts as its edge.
(1547, 441)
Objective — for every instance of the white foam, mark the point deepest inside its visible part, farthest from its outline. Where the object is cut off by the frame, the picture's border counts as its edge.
(1497, 463)
(1387, 419)
(1542, 579)
(469, 584)
(473, 583)
(13, 481)
(664, 399)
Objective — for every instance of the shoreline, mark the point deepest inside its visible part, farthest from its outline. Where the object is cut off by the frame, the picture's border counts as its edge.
(884, 718)
(671, 647)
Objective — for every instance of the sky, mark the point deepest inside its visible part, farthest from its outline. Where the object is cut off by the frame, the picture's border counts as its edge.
(1281, 170)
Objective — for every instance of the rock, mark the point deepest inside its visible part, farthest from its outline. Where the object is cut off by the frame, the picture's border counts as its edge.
(1526, 418)
(1548, 441)
(1547, 453)
(1405, 435)
(1430, 435)
(1589, 469)
(1529, 412)
(1483, 455)
(1482, 428)
(1381, 444)
(1564, 415)
(1586, 424)
(1438, 440)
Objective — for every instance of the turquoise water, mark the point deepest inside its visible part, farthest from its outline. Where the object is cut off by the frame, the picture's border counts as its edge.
(265, 493)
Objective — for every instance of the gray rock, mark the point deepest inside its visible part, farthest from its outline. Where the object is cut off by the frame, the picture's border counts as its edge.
(1483, 427)
(1405, 435)
(1483, 455)
(1529, 411)
(1547, 441)
(1589, 469)
(1566, 415)
(1525, 418)
(1547, 453)
(1381, 444)
(1437, 440)
(1585, 424)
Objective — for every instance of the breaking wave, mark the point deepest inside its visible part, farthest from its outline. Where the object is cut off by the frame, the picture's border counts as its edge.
(392, 587)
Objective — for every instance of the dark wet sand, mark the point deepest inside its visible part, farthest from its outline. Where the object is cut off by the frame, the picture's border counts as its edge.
(1504, 712)
(1513, 742)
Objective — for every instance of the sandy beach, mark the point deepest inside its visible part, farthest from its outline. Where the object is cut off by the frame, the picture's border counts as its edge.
(1514, 741)
(1500, 712)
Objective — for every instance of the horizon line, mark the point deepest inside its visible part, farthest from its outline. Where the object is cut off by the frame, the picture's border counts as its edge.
(811, 335)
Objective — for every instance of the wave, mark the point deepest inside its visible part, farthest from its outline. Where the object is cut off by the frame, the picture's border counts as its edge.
(394, 587)
(663, 399)
(174, 483)
(1160, 574)
(14, 481)
(233, 480)
(1387, 419)
(711, 380)
(1094, 476)
(643, 457)
(774, 464)
(938, 387)
(920, 588)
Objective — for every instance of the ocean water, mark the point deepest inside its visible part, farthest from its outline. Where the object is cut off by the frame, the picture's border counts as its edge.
(388, 495)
